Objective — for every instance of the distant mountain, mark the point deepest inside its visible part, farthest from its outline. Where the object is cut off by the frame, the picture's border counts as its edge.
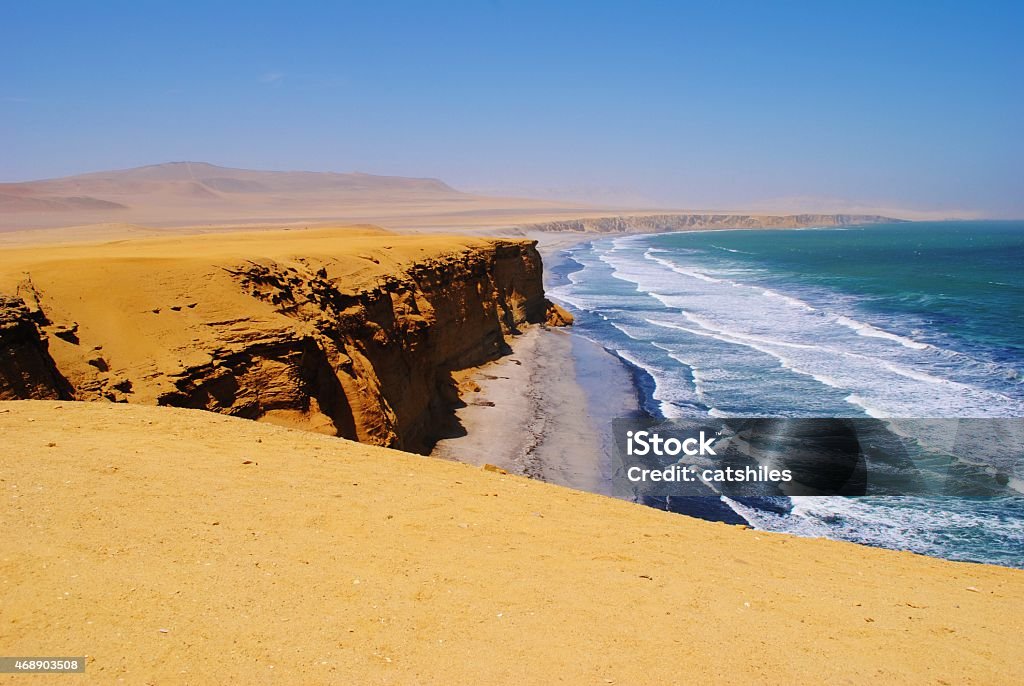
(181, 194)
(175, 183)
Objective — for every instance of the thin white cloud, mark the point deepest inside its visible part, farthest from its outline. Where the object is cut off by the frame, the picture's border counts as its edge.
(273, 78)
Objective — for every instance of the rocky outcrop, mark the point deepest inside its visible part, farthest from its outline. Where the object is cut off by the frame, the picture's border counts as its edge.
(357, 345)
(26, 368)
(658, 223)
(376, 362)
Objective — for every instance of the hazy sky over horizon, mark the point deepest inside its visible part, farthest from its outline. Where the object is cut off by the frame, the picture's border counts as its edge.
(703, 104)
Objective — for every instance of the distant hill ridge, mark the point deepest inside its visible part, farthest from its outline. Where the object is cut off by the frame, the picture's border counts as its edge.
(184, 193)
(199, 181)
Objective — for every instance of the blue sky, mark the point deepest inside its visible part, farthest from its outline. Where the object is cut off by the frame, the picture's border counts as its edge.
(689, 104)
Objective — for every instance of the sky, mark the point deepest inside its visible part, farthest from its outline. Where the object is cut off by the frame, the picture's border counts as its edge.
(678, 104)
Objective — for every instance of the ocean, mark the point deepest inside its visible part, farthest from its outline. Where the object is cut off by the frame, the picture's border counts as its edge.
(909, 320)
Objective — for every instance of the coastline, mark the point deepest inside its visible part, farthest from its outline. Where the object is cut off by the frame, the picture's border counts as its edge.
(545, 410)
(312, 557)
(516, 402)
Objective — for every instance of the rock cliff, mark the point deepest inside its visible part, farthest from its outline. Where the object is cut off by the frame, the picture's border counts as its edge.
(656, 223)
(26, 368)
(355, 336)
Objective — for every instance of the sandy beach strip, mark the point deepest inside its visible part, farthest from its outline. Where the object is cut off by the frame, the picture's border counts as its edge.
(544, 411)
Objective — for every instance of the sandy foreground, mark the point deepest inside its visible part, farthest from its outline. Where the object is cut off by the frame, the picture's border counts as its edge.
(178, 546)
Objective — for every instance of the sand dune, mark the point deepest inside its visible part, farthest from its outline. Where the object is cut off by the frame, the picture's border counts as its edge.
(177, 546)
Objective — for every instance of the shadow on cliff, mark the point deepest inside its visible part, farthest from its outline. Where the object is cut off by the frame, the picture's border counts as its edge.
(451, 426)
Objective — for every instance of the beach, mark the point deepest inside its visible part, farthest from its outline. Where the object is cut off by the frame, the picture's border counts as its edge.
(901, 320)
(545, 409)
(713, 328)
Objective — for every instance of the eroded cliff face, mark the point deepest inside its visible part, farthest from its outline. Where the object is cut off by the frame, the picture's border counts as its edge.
(26, 368)
(354, 338)
(681, 222)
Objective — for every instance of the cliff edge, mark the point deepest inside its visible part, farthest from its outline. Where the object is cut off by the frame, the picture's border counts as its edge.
(349, 332)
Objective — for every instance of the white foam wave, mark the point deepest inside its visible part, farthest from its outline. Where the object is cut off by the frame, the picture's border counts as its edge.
(896, 523)
(692, 273)
(756, 344)
(733, 250)
(795, 302)
(864, 329)
(865, 405)
(660, 395)
(866, 367)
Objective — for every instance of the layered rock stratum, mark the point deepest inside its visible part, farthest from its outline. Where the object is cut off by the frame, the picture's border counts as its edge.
(658, 223)
(349, 332)
(26, 368)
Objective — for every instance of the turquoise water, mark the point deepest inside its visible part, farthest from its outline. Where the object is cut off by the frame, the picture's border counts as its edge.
(903, 320)
(955, 284)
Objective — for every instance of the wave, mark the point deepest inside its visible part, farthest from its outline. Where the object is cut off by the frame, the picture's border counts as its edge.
(664, 409)
(863, 329)
(733, 250)
(927, 526)
(795, 302)
(692, 273)
(874, 378)
(723, 338)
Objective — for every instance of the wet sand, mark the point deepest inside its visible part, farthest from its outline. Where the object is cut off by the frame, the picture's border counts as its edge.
(545, 411)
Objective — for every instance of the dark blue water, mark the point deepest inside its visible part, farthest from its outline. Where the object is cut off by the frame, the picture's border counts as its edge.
(903, 320)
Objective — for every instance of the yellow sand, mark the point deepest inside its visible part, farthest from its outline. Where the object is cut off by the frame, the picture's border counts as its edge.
(176, 546)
